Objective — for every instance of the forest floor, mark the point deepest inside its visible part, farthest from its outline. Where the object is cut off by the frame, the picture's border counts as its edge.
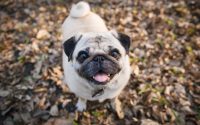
(165, 58)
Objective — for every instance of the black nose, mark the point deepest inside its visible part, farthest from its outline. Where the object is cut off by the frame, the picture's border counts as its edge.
(99, 58)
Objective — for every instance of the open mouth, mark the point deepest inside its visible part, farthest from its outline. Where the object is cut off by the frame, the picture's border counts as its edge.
(102, 78)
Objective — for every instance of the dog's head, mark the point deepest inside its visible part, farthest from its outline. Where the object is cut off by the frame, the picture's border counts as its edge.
(97, 57)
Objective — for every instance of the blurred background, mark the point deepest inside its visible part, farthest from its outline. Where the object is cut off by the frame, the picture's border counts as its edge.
(165, 58)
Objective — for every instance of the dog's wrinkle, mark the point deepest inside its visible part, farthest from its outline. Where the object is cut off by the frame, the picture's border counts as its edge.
(98, 40)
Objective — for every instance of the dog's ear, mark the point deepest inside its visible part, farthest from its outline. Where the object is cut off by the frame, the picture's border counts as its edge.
(69, 46)
(124, 39)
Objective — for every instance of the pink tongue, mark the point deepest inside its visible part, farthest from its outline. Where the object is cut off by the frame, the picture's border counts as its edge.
(101, 77)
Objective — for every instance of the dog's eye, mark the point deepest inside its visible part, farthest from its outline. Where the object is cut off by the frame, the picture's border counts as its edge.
(82, 56)
(115, 53)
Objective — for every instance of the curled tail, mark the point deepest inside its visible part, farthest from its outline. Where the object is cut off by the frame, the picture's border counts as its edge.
(80, 9)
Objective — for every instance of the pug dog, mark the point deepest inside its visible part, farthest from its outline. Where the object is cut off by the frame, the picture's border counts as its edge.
(95, 60)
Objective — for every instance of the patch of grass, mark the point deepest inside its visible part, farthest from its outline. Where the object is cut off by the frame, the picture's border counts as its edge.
(178, 119)
(134, 60)
(27, 41)
(96, 113)
(176, 71)
(143, 60)
(174, 36)
(21, 59)
(75, 123)
(159, 42)
(147, 88)
(166, 31)
(169, 22)
(191, 31)
(161, 101)
(189, 49)
(170, 33)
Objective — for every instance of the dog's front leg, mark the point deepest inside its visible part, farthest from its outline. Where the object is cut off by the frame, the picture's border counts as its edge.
(116, 105)
(81, 104)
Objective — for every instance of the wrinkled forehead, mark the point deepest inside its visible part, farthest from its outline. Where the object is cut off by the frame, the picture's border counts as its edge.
(100, 43)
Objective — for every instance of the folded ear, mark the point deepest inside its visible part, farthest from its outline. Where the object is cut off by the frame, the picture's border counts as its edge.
(69, 46)
(124, 39)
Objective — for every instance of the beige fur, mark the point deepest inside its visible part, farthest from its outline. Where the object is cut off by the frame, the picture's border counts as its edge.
(90, 25)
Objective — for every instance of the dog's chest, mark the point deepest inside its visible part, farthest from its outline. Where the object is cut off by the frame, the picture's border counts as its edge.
(101, 93)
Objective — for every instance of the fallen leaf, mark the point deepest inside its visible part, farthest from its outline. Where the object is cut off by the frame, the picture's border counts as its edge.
(54, 110)
(59, 121)
(43, 34)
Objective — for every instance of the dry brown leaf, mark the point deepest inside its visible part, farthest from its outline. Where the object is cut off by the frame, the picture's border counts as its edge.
(54, 110)
(59, 121)
(43, 34)
(148, 122)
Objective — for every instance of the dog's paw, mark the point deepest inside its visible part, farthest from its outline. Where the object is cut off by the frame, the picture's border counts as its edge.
(81, 105)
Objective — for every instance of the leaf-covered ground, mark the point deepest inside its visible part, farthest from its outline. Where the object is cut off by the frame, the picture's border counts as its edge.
(165, 56)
